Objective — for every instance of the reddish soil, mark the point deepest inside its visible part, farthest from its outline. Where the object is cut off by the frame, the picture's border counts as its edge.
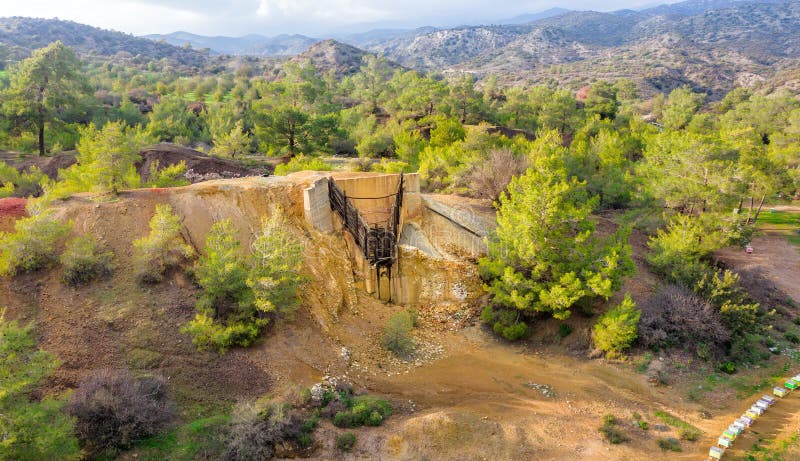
(10, 210)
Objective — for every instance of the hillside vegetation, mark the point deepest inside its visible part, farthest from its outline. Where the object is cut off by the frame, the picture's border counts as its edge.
(153, 319)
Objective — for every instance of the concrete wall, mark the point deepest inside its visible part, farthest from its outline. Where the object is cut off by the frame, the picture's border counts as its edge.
(422, 274)
(362, 188)
(453, 231)
(317, 206)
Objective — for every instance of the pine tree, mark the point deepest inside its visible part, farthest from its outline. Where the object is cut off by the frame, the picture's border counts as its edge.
(545, 255)
(32, 429)
(43, 85)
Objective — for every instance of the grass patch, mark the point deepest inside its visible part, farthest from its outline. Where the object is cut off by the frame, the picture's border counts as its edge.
(346, 441)
(143, 359)
(685, 430)
(364, 410)
(644, 362)
(198, 439)
(669, 444)
(781, 218)
(610, 430)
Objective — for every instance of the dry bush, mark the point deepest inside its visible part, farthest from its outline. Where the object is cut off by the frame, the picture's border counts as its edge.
(676, 316)
(256, 429)
(491, 177)
(114, 409)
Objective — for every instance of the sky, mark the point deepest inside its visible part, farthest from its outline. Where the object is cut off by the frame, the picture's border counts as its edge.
(272, 17)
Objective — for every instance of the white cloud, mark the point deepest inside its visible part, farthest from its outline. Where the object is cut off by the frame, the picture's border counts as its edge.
(329, 10)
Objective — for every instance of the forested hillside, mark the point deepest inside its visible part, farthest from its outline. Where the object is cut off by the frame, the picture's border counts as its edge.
(612, 202)
(23, 35)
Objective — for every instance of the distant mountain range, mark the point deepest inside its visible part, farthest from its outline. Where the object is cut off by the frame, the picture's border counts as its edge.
(21, 35)
(711, 45)
(291, 45)
(253, 45)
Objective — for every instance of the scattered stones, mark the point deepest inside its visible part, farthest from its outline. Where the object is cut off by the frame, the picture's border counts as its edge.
(545, 390)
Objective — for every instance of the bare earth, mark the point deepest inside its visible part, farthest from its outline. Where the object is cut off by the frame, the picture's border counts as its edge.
(774, 257)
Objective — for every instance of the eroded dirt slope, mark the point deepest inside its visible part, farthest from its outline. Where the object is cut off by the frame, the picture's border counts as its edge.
(465, 395)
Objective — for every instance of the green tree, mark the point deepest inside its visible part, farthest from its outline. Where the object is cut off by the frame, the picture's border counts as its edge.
(465, 100)
(171, 120)
(236, 142)
(602, 100)
(680, 107)
(43, 86)
(616, 330)
(32, 245)
(545, 255)
(241, 294)
(162, 249)
(446, 132)
(370, 83)
(107, 157)
(32, 429)
(295, 114)
(560, 112)
(276, 262)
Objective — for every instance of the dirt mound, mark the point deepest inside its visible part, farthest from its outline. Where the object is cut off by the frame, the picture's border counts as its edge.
(48, 165)
(201, 166)
(10, 210)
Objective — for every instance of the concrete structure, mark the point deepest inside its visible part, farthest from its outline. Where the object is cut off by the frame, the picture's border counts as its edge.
(430, 234)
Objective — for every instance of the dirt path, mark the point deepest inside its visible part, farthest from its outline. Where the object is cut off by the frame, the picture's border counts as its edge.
(489, 400)
(773, 257)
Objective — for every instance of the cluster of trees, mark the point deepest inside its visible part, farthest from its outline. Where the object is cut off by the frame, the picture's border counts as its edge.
(241, 292)
(558, 156)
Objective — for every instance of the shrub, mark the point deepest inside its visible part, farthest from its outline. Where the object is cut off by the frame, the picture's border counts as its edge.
(677, 316)
(256, 428)
(24, 184)
(302, 163)
(346, 441)
(505, 322)
(616, 330)
(611, 432)
(162, 249)
(792, 337)
(490, 178)
(32, 244)
(114, 409)
(564, 330)
(669, 443)
(396, 336)
(677, 251)
(208, 334)
(169, 176)
(364, 410)
(728, 367)
(685, 430)
(391, 167)
(640, 422)
(84, 261)
(32, 429)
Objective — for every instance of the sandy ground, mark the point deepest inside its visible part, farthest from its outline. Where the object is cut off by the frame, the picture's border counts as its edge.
(773, 257)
